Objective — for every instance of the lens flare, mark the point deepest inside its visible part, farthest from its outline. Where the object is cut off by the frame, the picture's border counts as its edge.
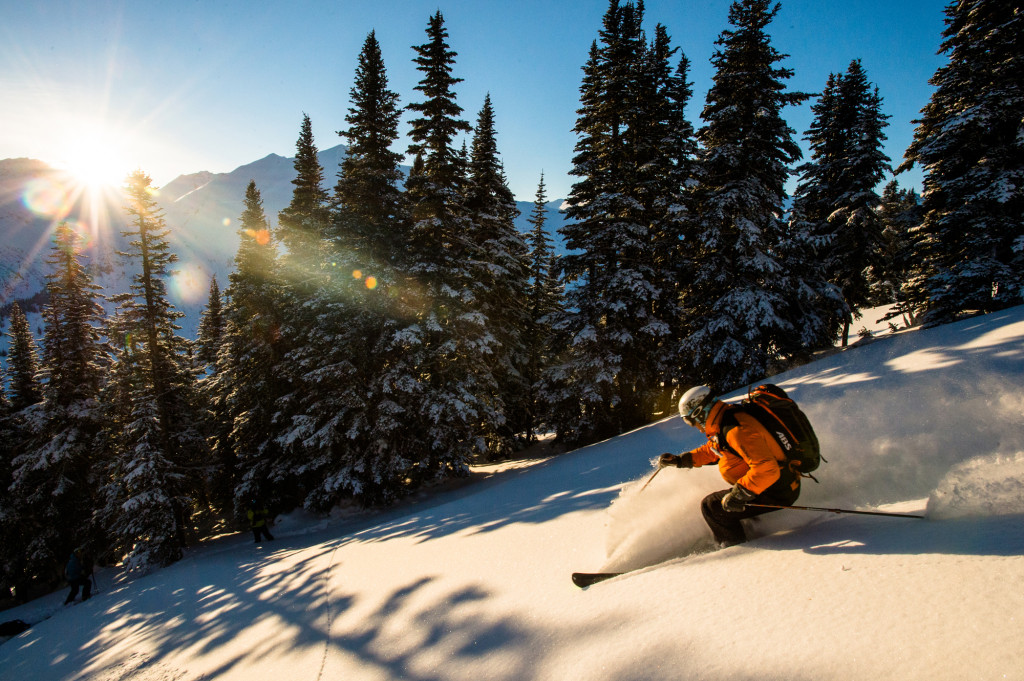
(260, 236)
(86, 235)
(47, 198)
(189, 283)
(371, 282)
(357, 274)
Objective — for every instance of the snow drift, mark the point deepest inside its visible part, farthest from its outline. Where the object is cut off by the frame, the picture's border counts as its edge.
(474, 583)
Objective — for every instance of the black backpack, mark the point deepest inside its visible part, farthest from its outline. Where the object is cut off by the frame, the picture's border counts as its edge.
(780, 416)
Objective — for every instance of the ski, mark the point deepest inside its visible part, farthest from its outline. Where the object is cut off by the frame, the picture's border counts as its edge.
(585, 579)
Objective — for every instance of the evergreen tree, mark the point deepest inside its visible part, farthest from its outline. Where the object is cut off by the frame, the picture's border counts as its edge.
(447, 342)
(6, 433)
(302, 224)
(896, 278)
(216, 492)
(836, 200)
(5, 410)
(437, 123)
(543, 300)
(23, 362)
(5, 420)
(970, 142)
(302, 230)
(157, 458)
(672, 174)
(211, 327)
(612, 372)
(371, 216)
(13, 534)
(368, 192)
(54, 477)
(740, 308)
(248, 382)
(501, 261)
(146, 494)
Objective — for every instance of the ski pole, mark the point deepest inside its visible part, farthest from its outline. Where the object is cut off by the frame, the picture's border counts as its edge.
(838, 510)
(658, 470)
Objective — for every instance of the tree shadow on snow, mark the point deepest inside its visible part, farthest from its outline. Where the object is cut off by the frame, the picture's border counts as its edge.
(543, 492)
(281, 614)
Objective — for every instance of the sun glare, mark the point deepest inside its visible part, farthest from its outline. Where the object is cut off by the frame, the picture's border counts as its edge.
(94, 159)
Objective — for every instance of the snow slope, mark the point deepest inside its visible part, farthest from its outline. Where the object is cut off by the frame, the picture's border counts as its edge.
(474, 583)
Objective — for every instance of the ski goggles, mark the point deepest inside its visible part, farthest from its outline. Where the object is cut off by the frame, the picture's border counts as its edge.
(697, 416)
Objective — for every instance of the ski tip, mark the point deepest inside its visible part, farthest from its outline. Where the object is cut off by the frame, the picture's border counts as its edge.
(585, 579)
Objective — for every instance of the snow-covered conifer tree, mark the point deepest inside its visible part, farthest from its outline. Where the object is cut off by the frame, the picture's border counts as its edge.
(898, 275)
(5, 431)
(836, 202)
(671, 173)
(248, 383)
(613, 369)
(54, 477)
(211, 327)
(738, 309)
(302, 224)
(370, 201)
(501, 263)
(543, 299)
(156, 446)
(970, 143)
(370, 226)
(449, 335)
(217, 493)
(302, 231)
(23, 362)
(12, 530)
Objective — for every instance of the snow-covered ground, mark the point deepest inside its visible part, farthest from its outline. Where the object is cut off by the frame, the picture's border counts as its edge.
(474, 583)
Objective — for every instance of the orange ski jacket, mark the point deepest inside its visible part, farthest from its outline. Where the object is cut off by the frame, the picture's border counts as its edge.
(745, 452)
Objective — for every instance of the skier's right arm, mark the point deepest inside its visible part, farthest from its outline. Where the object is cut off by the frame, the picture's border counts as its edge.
(677, 460)
(704, 455)
(690, 459)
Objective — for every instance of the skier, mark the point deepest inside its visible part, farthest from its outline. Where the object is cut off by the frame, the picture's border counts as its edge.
(748, 457)
(258, 517)
(78, 572)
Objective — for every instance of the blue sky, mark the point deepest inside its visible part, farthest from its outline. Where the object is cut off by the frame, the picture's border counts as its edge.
(179, 87)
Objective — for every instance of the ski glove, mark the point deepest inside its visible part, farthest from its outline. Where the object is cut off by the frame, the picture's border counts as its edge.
(737, 498)
(679, 461)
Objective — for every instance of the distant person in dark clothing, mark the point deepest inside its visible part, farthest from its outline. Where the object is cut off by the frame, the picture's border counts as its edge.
(78, 572)
(258, 519)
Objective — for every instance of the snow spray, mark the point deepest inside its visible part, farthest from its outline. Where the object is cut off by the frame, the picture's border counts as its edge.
(652, 524)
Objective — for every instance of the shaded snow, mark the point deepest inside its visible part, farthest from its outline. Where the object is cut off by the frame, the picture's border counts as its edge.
(474, 583)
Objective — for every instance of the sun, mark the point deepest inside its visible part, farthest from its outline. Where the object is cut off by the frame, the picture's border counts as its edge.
(94, 157)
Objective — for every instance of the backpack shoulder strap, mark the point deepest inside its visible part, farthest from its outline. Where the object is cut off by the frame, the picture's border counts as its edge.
(725, 424)
(772, 424)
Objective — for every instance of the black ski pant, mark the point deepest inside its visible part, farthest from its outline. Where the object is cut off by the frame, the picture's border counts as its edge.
(726, 525)
(262, 529)
(85, 583)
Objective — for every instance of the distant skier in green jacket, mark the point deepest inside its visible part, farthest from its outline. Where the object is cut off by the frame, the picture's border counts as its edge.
(258, 518)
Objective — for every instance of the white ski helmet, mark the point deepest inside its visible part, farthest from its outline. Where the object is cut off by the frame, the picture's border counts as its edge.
(694, 405)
